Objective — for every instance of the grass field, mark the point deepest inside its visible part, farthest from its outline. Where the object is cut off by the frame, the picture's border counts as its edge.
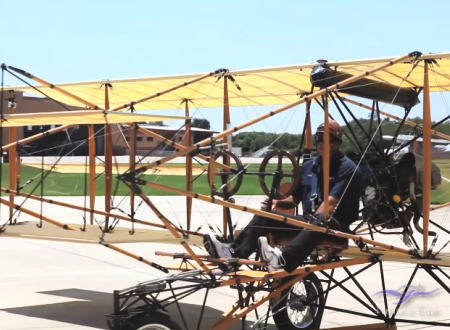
(442, 193)
(73, 184)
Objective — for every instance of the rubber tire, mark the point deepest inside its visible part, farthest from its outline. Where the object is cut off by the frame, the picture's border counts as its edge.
(280, 311)
(154, 321)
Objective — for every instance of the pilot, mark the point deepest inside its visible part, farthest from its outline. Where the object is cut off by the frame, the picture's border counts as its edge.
(345, 187)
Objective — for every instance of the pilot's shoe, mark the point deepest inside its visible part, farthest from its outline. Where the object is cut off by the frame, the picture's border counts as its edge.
(272, 255)
(215, 248)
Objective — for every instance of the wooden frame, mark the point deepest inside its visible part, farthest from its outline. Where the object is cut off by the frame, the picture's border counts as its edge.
(388, 251)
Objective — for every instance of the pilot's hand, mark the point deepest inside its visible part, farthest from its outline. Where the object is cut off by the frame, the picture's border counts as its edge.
(318, 219)
(265, 204)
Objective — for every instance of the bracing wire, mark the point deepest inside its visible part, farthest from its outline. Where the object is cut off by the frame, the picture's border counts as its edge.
(198, 104)
(43, 177)
(372, 138)
(64, 106)
(288, 115)
(272, 142)
(47, 173)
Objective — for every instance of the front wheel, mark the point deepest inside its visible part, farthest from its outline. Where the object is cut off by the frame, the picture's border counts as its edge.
(301, 306)
(154, 321)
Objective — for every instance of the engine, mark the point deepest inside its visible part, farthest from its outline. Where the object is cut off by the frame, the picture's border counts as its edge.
(390, 190)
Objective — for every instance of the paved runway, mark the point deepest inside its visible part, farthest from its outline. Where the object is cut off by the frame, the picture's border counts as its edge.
(65, 285)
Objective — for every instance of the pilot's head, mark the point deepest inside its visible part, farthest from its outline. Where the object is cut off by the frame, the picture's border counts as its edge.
(335, 132)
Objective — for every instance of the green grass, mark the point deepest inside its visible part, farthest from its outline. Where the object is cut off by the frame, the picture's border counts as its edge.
(72, 184)
(444, 165)
(442, 193)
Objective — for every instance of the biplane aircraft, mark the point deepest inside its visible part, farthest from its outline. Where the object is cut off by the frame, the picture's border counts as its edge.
(396, 202)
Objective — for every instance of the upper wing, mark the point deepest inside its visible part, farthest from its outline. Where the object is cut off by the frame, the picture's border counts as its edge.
(265, 86)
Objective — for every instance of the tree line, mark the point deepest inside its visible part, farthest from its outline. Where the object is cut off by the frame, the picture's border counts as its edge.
(361, 131)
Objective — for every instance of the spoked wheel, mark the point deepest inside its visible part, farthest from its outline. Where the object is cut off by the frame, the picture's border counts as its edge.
(223, 181)
(274, 183)
(154, 321)
(301, 305)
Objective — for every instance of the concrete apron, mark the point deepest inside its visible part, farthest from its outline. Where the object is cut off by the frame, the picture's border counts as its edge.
(65, 285)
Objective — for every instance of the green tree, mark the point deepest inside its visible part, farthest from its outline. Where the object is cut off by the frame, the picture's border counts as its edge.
(253, 141)
(200, 123)
(156, 123)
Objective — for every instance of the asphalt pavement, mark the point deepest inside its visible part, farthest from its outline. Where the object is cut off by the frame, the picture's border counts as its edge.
(66, 285)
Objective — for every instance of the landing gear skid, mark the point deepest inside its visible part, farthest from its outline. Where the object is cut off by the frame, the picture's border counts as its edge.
(144, 306)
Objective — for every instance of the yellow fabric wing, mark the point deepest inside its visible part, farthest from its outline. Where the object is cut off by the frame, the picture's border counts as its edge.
(266, 86)
(79, 117)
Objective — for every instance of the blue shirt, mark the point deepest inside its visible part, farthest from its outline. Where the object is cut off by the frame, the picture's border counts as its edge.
(345, 185)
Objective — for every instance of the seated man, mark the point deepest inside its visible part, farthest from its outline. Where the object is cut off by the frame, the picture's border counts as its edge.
(345, 188)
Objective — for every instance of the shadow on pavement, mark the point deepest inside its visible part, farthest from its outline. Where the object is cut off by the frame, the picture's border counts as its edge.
(90, 312)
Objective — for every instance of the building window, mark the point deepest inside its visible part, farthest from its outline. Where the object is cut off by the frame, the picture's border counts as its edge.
(139, 138)
(149, 138)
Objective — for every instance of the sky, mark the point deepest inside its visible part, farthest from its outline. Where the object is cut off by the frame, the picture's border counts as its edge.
(65, 41)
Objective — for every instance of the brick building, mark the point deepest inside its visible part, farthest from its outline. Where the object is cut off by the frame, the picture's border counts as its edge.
(73, 142)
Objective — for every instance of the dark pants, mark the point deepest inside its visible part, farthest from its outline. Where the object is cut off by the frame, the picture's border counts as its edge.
(294, 254)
